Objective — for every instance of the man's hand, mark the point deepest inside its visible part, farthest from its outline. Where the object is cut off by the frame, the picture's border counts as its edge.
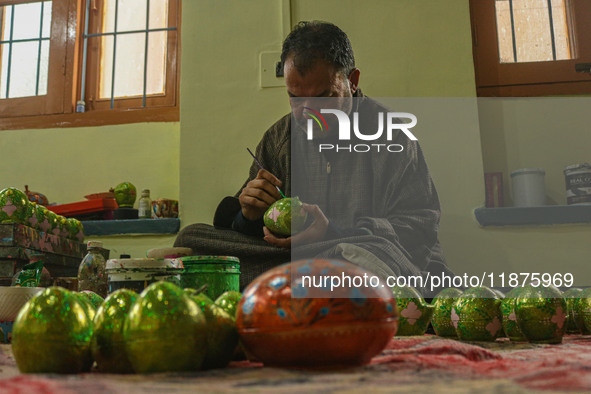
(315, 232)
(259, 194)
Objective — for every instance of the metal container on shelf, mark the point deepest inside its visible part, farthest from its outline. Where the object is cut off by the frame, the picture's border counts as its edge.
(578, 183)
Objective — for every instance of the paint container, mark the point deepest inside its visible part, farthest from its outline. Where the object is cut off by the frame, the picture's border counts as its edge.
(578, 183)
(219, 273)
(493, 183)
(529, 188)
(137, 274)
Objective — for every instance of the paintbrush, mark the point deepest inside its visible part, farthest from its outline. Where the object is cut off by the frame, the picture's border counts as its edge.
(262, 168)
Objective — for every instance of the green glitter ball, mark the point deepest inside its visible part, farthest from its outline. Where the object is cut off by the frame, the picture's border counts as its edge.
(54, 223)
(222, 335)
(575, 322)
(88, 306)
(52, 334)
(414, 313)
(14, 206)
(285, 216)
(510, 326)
(228, 301)
(165, 331)
(583, 310)
(541, 314)
(125, 194)
(108, 343)
(441, 321)
(477, 315)
(35, 215)
(95, 299)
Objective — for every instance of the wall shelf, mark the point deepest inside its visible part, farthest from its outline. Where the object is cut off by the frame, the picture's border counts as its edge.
(533, 216)
(132, 226)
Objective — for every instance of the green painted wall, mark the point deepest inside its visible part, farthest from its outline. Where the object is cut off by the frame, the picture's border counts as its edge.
(403, 48)
(67, 164)
(224, 110)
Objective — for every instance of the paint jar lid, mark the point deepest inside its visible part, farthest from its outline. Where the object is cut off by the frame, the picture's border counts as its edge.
(123, 265)
(209, 259)
(168, 253)
(583, 166)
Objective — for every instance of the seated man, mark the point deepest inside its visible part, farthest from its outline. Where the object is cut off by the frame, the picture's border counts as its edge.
(393, 230)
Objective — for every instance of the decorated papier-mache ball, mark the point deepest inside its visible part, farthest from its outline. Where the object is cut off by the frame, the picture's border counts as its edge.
(95, 299)
(52, 334)
(476, 315)
(415, 313)
(36, 197)
(575, 320)
(35, 215)
(541, 314)
(512, 330)
(583, 310)
(281, 325)
(108, 343)
(165, 331)
(285, 216)
(125, 194)
(441, 320)
(13, 206)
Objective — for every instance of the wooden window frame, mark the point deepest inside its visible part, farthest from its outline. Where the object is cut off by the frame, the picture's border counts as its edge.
(169, 99)
(559, 77)
(61, 111)
(54, 101)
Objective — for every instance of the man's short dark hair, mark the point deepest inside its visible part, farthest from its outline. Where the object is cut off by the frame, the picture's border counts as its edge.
(316, 40)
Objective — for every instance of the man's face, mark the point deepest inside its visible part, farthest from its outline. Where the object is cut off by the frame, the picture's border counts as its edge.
(322, 81)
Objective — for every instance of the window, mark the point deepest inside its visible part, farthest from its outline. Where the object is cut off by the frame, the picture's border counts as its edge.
(531, 47)
(31, 56)
(111, 55)
(132, 54)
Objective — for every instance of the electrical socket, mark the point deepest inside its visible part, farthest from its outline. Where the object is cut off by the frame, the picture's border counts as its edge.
(270, 66)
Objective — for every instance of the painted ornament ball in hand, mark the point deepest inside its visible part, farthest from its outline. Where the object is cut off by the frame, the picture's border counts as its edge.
(285, 216)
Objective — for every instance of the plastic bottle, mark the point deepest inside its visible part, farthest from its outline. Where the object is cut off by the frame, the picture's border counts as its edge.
(91, 272)
(80, 106)
(145, 205)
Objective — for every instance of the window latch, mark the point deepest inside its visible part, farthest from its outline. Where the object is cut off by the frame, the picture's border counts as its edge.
(583, 68)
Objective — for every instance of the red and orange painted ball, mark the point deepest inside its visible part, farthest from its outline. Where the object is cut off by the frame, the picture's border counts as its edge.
(286, 319)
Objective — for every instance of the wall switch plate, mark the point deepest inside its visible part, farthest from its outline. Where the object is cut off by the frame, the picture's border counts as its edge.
(269, 69)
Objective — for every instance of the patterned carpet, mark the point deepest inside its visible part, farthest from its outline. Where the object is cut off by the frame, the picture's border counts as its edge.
(410, 364)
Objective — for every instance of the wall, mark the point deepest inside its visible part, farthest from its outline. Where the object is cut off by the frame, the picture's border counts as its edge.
(223, 108)
(67, 164)
(549, 133)
(401, 52)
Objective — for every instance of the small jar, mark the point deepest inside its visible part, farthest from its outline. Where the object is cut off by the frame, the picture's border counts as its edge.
(80, 106)
(145, 205)
(91, 272)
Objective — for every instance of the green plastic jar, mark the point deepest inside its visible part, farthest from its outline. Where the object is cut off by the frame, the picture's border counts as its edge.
(219, 273)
